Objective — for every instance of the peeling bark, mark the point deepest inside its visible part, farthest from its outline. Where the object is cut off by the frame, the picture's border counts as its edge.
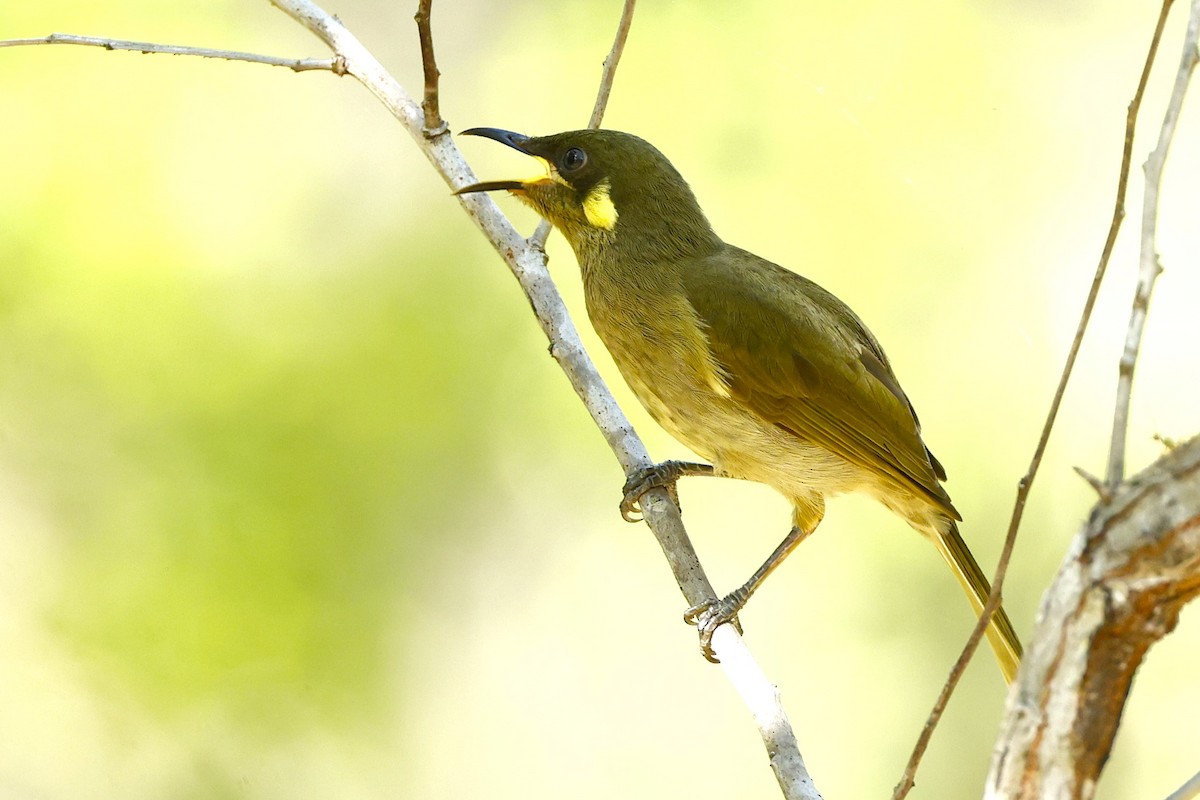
(1128, 574)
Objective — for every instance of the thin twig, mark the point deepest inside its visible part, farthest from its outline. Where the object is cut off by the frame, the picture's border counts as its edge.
(1149, 267)
(1097, 485)
(610, 64)
(908, 778)
(607, 74)
(434, 124)
(295, 64)
(1023, 486)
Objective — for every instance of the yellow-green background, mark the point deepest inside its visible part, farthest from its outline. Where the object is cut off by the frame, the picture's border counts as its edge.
(293, 504)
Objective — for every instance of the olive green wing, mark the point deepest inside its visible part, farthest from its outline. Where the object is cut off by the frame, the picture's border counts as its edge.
(801, 359)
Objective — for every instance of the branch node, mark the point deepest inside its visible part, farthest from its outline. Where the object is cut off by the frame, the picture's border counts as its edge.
(432, 133)
(1103, 491)
(537, 239)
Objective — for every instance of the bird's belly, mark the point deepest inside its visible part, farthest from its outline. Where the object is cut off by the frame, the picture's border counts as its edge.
(740, 444)
(665, 359)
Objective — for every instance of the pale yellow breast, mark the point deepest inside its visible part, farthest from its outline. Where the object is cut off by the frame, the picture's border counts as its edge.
(667, 363)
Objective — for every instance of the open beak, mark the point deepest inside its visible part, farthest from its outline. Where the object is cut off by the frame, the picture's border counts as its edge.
(491, 186)
(514, 140)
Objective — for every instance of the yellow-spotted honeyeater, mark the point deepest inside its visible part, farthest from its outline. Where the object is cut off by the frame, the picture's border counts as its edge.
(757, 369)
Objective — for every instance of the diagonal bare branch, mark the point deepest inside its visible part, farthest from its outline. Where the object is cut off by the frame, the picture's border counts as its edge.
(1025, 484)
(1149, 267)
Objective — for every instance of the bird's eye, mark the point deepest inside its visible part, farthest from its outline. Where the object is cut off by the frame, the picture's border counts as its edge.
(573, 160)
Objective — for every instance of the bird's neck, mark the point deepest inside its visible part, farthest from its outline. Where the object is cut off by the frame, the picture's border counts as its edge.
(650, 230)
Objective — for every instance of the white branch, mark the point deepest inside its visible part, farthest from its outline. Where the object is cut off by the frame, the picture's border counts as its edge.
(762, 698)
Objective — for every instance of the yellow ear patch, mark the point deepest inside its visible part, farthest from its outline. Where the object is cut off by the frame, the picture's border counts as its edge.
(598, 207)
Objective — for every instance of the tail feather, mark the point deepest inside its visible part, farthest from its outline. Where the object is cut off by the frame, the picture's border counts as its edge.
(1000, 633)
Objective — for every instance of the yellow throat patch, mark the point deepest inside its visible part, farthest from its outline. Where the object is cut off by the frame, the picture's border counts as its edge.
(598, 207)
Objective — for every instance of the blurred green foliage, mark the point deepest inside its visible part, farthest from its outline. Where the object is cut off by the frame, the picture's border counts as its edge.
(294, 504)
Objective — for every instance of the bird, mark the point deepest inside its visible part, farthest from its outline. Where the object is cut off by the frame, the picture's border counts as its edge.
(755, 368)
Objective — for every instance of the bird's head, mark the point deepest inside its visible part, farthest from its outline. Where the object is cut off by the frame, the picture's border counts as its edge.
(606, 189)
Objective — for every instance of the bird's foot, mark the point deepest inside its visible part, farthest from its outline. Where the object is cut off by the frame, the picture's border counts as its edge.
(657, 476)
(709, 616)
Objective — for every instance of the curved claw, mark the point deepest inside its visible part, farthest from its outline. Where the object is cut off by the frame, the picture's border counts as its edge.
(709, 616)
(656, 476)
(659, 476)
(631, 508)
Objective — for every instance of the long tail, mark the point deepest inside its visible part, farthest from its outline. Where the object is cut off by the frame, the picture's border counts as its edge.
(1000, 633)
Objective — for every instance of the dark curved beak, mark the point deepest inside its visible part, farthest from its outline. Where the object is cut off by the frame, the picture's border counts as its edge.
(514, 140)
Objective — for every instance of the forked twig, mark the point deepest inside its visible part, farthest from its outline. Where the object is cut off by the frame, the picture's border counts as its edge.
(334, 64)
(1023, 486)
(1149, 267)
(434, 124)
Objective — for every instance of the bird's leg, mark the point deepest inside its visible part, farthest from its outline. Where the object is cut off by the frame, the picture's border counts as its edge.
(712, 615)
(658, 476)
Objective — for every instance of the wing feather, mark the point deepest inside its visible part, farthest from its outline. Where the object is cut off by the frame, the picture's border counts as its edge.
(802, 360)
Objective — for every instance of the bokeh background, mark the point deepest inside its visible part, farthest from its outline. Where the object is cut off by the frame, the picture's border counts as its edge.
(293, 504)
